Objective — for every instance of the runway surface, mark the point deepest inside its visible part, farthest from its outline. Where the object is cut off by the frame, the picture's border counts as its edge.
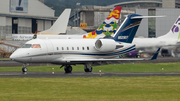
(81, 74)
(9, 63)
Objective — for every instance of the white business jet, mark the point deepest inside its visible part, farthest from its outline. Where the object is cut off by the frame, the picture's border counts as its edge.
(59, 26)
(89, 52)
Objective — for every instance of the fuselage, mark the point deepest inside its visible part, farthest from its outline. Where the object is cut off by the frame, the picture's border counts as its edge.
(152, 44)
(55, 50)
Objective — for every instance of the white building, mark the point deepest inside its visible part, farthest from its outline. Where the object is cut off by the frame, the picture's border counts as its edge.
(24, 17)
(155, 27)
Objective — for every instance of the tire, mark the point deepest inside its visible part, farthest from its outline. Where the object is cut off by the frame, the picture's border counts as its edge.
(88, 69)
(24, 69)
(68, 69)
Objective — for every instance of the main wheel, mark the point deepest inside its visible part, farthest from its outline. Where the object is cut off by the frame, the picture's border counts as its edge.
(87, 68)
(68, 69)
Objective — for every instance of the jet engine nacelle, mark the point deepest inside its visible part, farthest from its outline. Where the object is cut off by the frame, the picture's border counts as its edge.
(105, 45)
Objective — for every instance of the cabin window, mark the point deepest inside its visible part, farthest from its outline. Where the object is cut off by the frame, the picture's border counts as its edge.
(26, 46)
(62, 48)
(72, 48)
(87, 48)
(77, 48)
(36, 46)
(67, 48)
(82, 48)
(57, 48)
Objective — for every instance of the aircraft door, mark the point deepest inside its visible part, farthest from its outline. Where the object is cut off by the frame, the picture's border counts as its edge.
(50, 51)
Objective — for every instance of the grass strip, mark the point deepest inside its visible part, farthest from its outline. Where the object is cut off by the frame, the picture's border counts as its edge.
(126, 68)
(90, 89)
(4, 59)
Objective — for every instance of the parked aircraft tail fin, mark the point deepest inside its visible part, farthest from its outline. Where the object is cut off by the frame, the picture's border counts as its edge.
(174, 31)
(35, 35)
(60, 25)
(108, 27)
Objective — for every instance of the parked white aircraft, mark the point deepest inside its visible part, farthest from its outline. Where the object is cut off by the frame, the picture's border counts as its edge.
(90, 52)
(167, 41)
(59, 26)
(107, 28)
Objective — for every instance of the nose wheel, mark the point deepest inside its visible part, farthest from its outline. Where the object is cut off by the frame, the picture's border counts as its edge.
(24, 69)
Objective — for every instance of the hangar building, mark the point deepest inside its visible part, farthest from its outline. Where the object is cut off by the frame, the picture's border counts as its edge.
(152, 27)
(95, 15)
(24, 17)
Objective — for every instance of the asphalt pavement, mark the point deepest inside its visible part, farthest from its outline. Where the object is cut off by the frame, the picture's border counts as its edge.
(9, 63)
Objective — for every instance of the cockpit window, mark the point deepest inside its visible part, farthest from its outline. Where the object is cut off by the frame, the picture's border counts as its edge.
(36, 46)
(31, 46)
(26, 46)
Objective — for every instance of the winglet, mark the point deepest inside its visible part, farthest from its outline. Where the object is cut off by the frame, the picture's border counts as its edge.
(155, 55)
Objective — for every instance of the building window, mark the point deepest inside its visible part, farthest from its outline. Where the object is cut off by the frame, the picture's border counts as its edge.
(151, 23)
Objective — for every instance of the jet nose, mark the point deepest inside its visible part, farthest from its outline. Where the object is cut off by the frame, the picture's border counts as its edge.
(12, 57)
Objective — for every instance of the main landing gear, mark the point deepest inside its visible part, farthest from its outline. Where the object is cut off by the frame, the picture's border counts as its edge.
(87, 68)
(68, 68)
(24, 69)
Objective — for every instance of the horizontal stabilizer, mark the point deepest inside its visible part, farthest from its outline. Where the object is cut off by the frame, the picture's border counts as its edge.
(142, 17)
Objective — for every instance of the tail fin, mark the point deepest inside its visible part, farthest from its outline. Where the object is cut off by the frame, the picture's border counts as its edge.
(60, 25)
(128, 28)
(174, 31)
(109, 26)
(35, 35)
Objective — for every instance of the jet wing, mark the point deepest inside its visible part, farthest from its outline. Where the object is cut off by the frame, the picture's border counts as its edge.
(111, 60)
(97, 62)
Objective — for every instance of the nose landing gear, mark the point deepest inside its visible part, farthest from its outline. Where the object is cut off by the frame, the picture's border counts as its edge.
(24, 69)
